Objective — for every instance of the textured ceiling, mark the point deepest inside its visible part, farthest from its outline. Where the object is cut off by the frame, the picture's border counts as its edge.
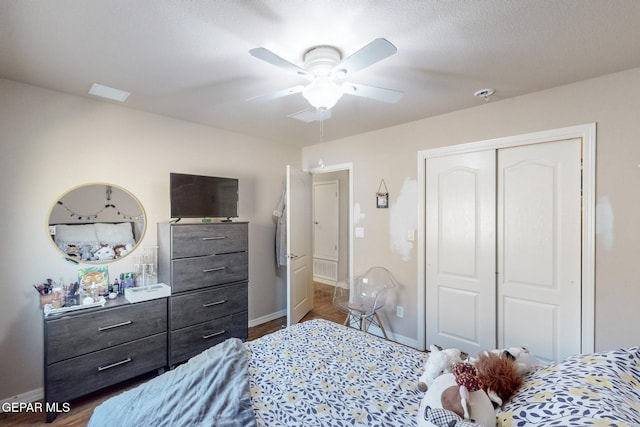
(190, 60)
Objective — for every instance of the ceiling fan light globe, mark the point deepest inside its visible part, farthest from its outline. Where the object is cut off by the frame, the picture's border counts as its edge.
(322, 94)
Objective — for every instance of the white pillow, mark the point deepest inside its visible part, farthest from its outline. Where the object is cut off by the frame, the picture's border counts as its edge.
(82, 233)
(114, 233)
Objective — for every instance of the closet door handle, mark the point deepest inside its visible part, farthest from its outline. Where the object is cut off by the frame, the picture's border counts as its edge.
(117, 325)
(211, 304)
(211, 270)
(214, 238)
(113, 365)
(215, 334)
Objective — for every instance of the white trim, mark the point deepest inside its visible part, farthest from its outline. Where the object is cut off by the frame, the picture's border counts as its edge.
(267, 318)
(587, 132)
(400, 339)
(324, 281)
(30, 396)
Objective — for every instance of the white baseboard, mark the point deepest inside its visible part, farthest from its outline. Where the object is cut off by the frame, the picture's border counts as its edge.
(324, 281)
(30, 396)
(267, 318)
(400, 339)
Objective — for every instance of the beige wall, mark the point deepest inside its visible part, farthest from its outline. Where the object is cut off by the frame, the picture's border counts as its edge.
(51, 142)
(612, 101)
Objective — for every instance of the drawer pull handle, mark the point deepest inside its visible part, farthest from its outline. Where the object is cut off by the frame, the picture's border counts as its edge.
(214, 238)
(211, 270)
(211, 304)
(117, 325)
(215, 334)
(113, 365)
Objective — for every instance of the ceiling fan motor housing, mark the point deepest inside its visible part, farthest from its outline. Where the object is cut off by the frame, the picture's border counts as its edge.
(321, 60)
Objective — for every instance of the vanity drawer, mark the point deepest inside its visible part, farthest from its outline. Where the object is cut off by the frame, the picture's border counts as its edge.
(71, 336)
(187, 342)
(84, 374)
(191, 240)
(195, 273)
(197, 307)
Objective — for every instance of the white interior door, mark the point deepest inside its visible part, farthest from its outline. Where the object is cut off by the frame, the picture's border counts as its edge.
(460, 251)
(539, 248)
(325, 230)
(299, 265)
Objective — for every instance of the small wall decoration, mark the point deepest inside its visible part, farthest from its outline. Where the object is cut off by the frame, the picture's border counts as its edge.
(382, 197)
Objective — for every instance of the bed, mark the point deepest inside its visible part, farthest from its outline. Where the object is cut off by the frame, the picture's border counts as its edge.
(599, 389)
(98, 241)
(315, 373)
(319, 373)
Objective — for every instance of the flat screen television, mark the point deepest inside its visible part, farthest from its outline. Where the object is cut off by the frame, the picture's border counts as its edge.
(198, 196)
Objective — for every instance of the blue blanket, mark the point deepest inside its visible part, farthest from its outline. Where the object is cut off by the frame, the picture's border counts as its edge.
(212, 389)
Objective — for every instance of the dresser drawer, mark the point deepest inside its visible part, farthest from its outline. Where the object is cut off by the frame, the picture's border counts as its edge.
(71, 336)
(84, 374)
(191, 240)
(187, 342)
(197, 307)
(195, 273)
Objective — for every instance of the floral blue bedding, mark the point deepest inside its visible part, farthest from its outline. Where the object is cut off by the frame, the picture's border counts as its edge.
(600, 389)
(319, 373)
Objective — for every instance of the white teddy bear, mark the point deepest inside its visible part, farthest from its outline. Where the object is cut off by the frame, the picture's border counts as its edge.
(105, 253)
(439, 362)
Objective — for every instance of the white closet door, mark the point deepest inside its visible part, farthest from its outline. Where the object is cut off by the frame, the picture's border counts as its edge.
(460, 251)
(539, 248)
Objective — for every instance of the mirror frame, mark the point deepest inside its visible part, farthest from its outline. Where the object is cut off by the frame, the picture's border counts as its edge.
(91, 216)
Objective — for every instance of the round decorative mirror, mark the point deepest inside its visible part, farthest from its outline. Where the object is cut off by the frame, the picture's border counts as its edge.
(97, 223)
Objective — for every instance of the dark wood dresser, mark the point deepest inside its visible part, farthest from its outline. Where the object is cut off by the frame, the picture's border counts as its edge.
(207, 267)
(87, 350)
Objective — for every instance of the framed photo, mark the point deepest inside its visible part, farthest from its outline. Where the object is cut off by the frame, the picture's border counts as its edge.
(382, 200)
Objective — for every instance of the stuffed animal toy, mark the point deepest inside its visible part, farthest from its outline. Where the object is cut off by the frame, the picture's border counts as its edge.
(73, 251)
(523, 359)
(456, 399)
(439, 362)
(86, 253)
(499, 376)
(122, 250)
(105, 253)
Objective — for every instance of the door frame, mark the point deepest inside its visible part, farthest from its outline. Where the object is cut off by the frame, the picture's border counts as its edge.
(586, 132)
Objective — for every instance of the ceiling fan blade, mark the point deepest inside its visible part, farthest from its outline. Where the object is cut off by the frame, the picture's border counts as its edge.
(373, 52)
(309, 115)
(274, 95)
(377, 93)
(270, 57)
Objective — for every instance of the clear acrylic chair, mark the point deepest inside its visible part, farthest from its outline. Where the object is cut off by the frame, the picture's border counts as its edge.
(362, 298)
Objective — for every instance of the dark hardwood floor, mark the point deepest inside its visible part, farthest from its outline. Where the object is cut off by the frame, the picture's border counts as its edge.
(81, 409)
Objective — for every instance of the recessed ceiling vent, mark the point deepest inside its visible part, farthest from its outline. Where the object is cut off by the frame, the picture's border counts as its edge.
(108, 92)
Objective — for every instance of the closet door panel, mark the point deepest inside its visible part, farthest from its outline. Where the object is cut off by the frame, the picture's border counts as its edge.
(460, 251)
(539, 248)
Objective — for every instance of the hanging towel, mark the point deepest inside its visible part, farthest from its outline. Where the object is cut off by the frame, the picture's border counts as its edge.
(280, 213)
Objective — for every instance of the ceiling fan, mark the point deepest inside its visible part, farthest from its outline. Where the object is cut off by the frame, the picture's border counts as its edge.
(328, 74)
